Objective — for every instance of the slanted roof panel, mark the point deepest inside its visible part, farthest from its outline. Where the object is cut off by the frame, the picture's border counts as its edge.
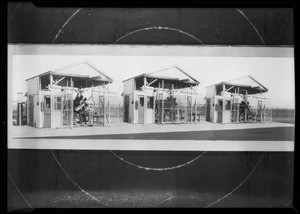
(173, 72)
(80, 69)
(246, 81)
(170, 73)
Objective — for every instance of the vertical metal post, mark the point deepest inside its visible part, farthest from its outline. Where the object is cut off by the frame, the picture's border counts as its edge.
(104, 119)
(108, 111)
(153, 109)
(19, 114)
(191, 102)
(196, 110)
(171, 106)
(63, 98)
(234, 104)
(177, 112)
(27, 110)
(185, 109)
(213, 104)
(132, 119)
(246, 109)
(238, 106)
(256, 111)
(71, 101)
(51, 102)
(145, 102)
(223, 106)
(20, 109)
(261, 109)
(162, 102)
(99, 103)
(158, 101)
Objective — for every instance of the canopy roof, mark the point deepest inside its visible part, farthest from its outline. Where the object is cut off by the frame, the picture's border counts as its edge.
(243, 85)
(172, 74)
(79, 72)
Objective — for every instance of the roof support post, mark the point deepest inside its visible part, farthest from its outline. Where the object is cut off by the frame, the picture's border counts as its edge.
(104, 112)
(177, 119)
(238, 107)
(99, 103)
(261, 109)
(71, 101)
(108, 106)
(145, 102)
(158, 102)
(246, 109)
(256, 111)
(223, 106)
(51, 79)
(235, 106)
(185, 107)
(51, 102)
(162, 102)
(196, 115)
(191, 107)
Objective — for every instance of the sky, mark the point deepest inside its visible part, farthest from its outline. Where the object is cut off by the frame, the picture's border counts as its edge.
(275, 73)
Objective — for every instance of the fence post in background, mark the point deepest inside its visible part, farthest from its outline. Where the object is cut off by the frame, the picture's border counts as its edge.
(20, 109)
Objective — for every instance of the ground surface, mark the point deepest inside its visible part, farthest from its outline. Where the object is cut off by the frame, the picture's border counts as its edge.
(139, 131)
(202, 136)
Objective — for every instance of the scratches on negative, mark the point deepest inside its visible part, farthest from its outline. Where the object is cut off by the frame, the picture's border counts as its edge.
(18, 190)
(158, 169)
(66, 22)
(248, 176)
(243, 14)
(77, 185)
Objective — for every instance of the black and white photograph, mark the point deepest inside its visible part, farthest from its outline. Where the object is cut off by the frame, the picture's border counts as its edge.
(150, 107)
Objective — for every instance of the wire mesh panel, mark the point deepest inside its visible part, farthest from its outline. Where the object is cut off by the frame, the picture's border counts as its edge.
(234, 109)
(269, 113)
(158, 109)
(255, 110)
(100, 111)
(114, 107)
(169, 109)
(15, 110)
(178, 108)
(200, 112)
(182, 107)
(30, 105)
(14, 113)
(264, 110)
(67, 109)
